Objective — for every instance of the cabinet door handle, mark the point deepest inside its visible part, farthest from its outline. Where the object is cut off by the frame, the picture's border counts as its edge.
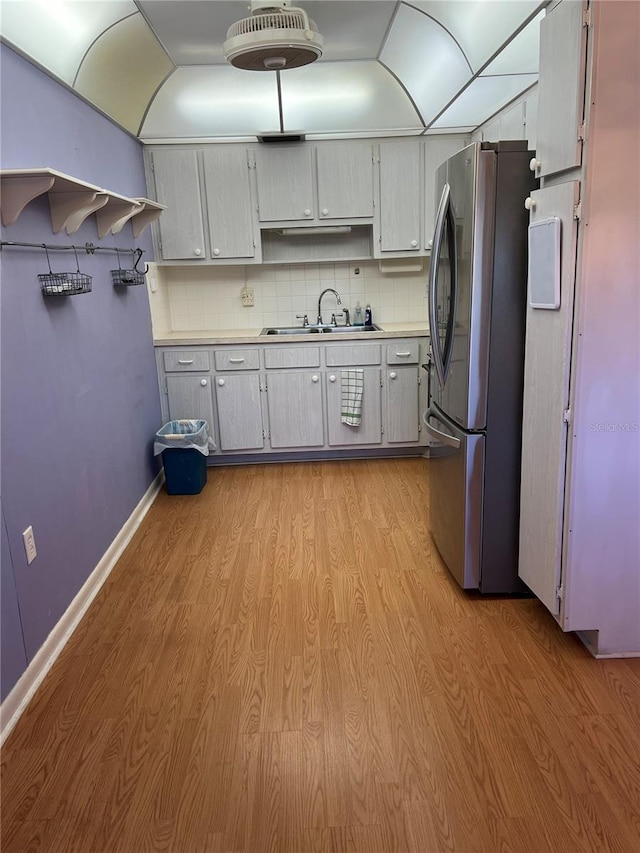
(332, 378)
(197, 251)
(307, 212)
(414, 243)
(530, 203)
(534, 164)
(236, 360)
(216, 251)
(220, 381)
(403, 354)
(185, 361)
(325, 211)
(203, 382)
(393, 374)
(315, 377)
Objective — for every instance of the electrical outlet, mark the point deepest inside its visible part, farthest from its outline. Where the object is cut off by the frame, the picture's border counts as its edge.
(29, 544)
(246, 294)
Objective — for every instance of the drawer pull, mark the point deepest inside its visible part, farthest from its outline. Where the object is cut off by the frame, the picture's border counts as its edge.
(203, 382)
(185, 361)
(220, 381)
(332, 378)
(393, 374)
(236, 360)
(403, 354)
(315, 377)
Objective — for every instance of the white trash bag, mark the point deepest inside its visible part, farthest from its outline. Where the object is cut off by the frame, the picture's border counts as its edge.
(184, 435)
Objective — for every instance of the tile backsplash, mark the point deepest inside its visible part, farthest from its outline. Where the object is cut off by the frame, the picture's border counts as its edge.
(193, 299)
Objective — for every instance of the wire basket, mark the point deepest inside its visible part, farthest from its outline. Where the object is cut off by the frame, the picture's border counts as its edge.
(127, 278)
(64, 283)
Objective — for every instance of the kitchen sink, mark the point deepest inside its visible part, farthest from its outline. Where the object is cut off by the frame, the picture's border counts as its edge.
(315, 330)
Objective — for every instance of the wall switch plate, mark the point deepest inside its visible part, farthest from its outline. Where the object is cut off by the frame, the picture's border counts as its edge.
(246, 294)
(29, 544)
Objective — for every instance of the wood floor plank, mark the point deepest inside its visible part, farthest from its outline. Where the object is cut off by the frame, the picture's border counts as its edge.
(282, 664)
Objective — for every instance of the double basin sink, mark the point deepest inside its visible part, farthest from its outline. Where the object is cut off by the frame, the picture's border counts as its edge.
(316, 330)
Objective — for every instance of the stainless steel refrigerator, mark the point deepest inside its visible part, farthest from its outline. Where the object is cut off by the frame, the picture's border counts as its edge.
(477, 308)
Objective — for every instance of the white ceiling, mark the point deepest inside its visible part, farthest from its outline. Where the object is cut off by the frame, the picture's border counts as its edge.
(157, 67)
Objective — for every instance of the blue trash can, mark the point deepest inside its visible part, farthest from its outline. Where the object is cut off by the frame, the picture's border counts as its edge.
(184, 445)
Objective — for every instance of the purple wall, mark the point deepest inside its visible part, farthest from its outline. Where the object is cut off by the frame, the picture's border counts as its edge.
(80, 402)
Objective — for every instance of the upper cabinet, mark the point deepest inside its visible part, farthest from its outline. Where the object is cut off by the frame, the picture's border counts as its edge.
(304, 183)
(398, 223)
(563, 37)
(229, 204)
(285, 183)
(177, 185)
(345, 181)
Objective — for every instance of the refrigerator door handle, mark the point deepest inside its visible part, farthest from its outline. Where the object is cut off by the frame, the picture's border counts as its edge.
(444, 437)
(445, 219)
(433, 278)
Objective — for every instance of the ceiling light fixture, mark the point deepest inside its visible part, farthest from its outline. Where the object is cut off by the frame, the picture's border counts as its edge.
(276, 37)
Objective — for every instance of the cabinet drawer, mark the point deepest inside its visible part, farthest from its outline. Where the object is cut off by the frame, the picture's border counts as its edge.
(238, 359)
(353, 354)
(292, 356)
(403, 352)
(180, 360)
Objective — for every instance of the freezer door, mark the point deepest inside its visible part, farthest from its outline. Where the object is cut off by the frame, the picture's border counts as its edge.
(442, 286)
(463, 325)
(456, 476)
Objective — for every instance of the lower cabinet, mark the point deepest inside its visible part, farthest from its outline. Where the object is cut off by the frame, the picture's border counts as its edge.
(403, 415)
(263, 399)
(190, 397)
(369, 431)
(239, 411)
(294, 403)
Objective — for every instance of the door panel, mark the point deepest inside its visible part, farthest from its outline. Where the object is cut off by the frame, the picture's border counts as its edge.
(456, 469)
(239, 411)
(177, 186)
(400, 197)
(402, 404)
(561, 88)
(228, 192)
(190, 397)
(295, 409)
(546, 396)
(285, 183)
(370, 429)
(345, 181)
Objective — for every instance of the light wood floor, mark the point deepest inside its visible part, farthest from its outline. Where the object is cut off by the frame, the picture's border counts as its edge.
(281, 665)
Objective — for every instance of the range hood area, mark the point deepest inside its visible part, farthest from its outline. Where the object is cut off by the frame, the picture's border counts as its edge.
(158, 69)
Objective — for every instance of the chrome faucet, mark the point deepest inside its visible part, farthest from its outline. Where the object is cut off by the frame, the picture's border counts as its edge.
(326, 290)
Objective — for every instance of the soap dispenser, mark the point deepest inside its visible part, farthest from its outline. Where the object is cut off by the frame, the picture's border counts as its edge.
(357, 316)
(368, 321)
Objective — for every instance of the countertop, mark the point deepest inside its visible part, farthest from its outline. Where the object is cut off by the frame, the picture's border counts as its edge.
(251, 336)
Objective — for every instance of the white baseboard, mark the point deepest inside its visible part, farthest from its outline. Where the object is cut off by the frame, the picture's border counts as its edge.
(586, 638)
(24, 689)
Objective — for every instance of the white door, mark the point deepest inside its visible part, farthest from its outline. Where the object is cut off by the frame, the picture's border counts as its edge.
(403, 419)
(295, 409)
(370, 429)
(400, 197)
(546, 399)
(228, 193)
(178, 187)
(561, 87)
(239, 411)
(190, 397)
(285, 183)
(345, 181)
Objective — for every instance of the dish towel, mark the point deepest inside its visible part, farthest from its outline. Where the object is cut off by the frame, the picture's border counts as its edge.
(351, 407)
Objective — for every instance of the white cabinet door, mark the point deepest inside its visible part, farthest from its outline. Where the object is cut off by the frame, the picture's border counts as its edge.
(370, 429)
(239, 411)
(345, 181)
(546, 398)
(190, 397)
(403, 417)
(437, 149)
(561, 87)
(229, 205)
(178, 187)
(285, 183)
(400, 198)
(295, 409)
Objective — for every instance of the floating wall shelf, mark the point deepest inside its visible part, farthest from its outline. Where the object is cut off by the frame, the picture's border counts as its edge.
(71, 201)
